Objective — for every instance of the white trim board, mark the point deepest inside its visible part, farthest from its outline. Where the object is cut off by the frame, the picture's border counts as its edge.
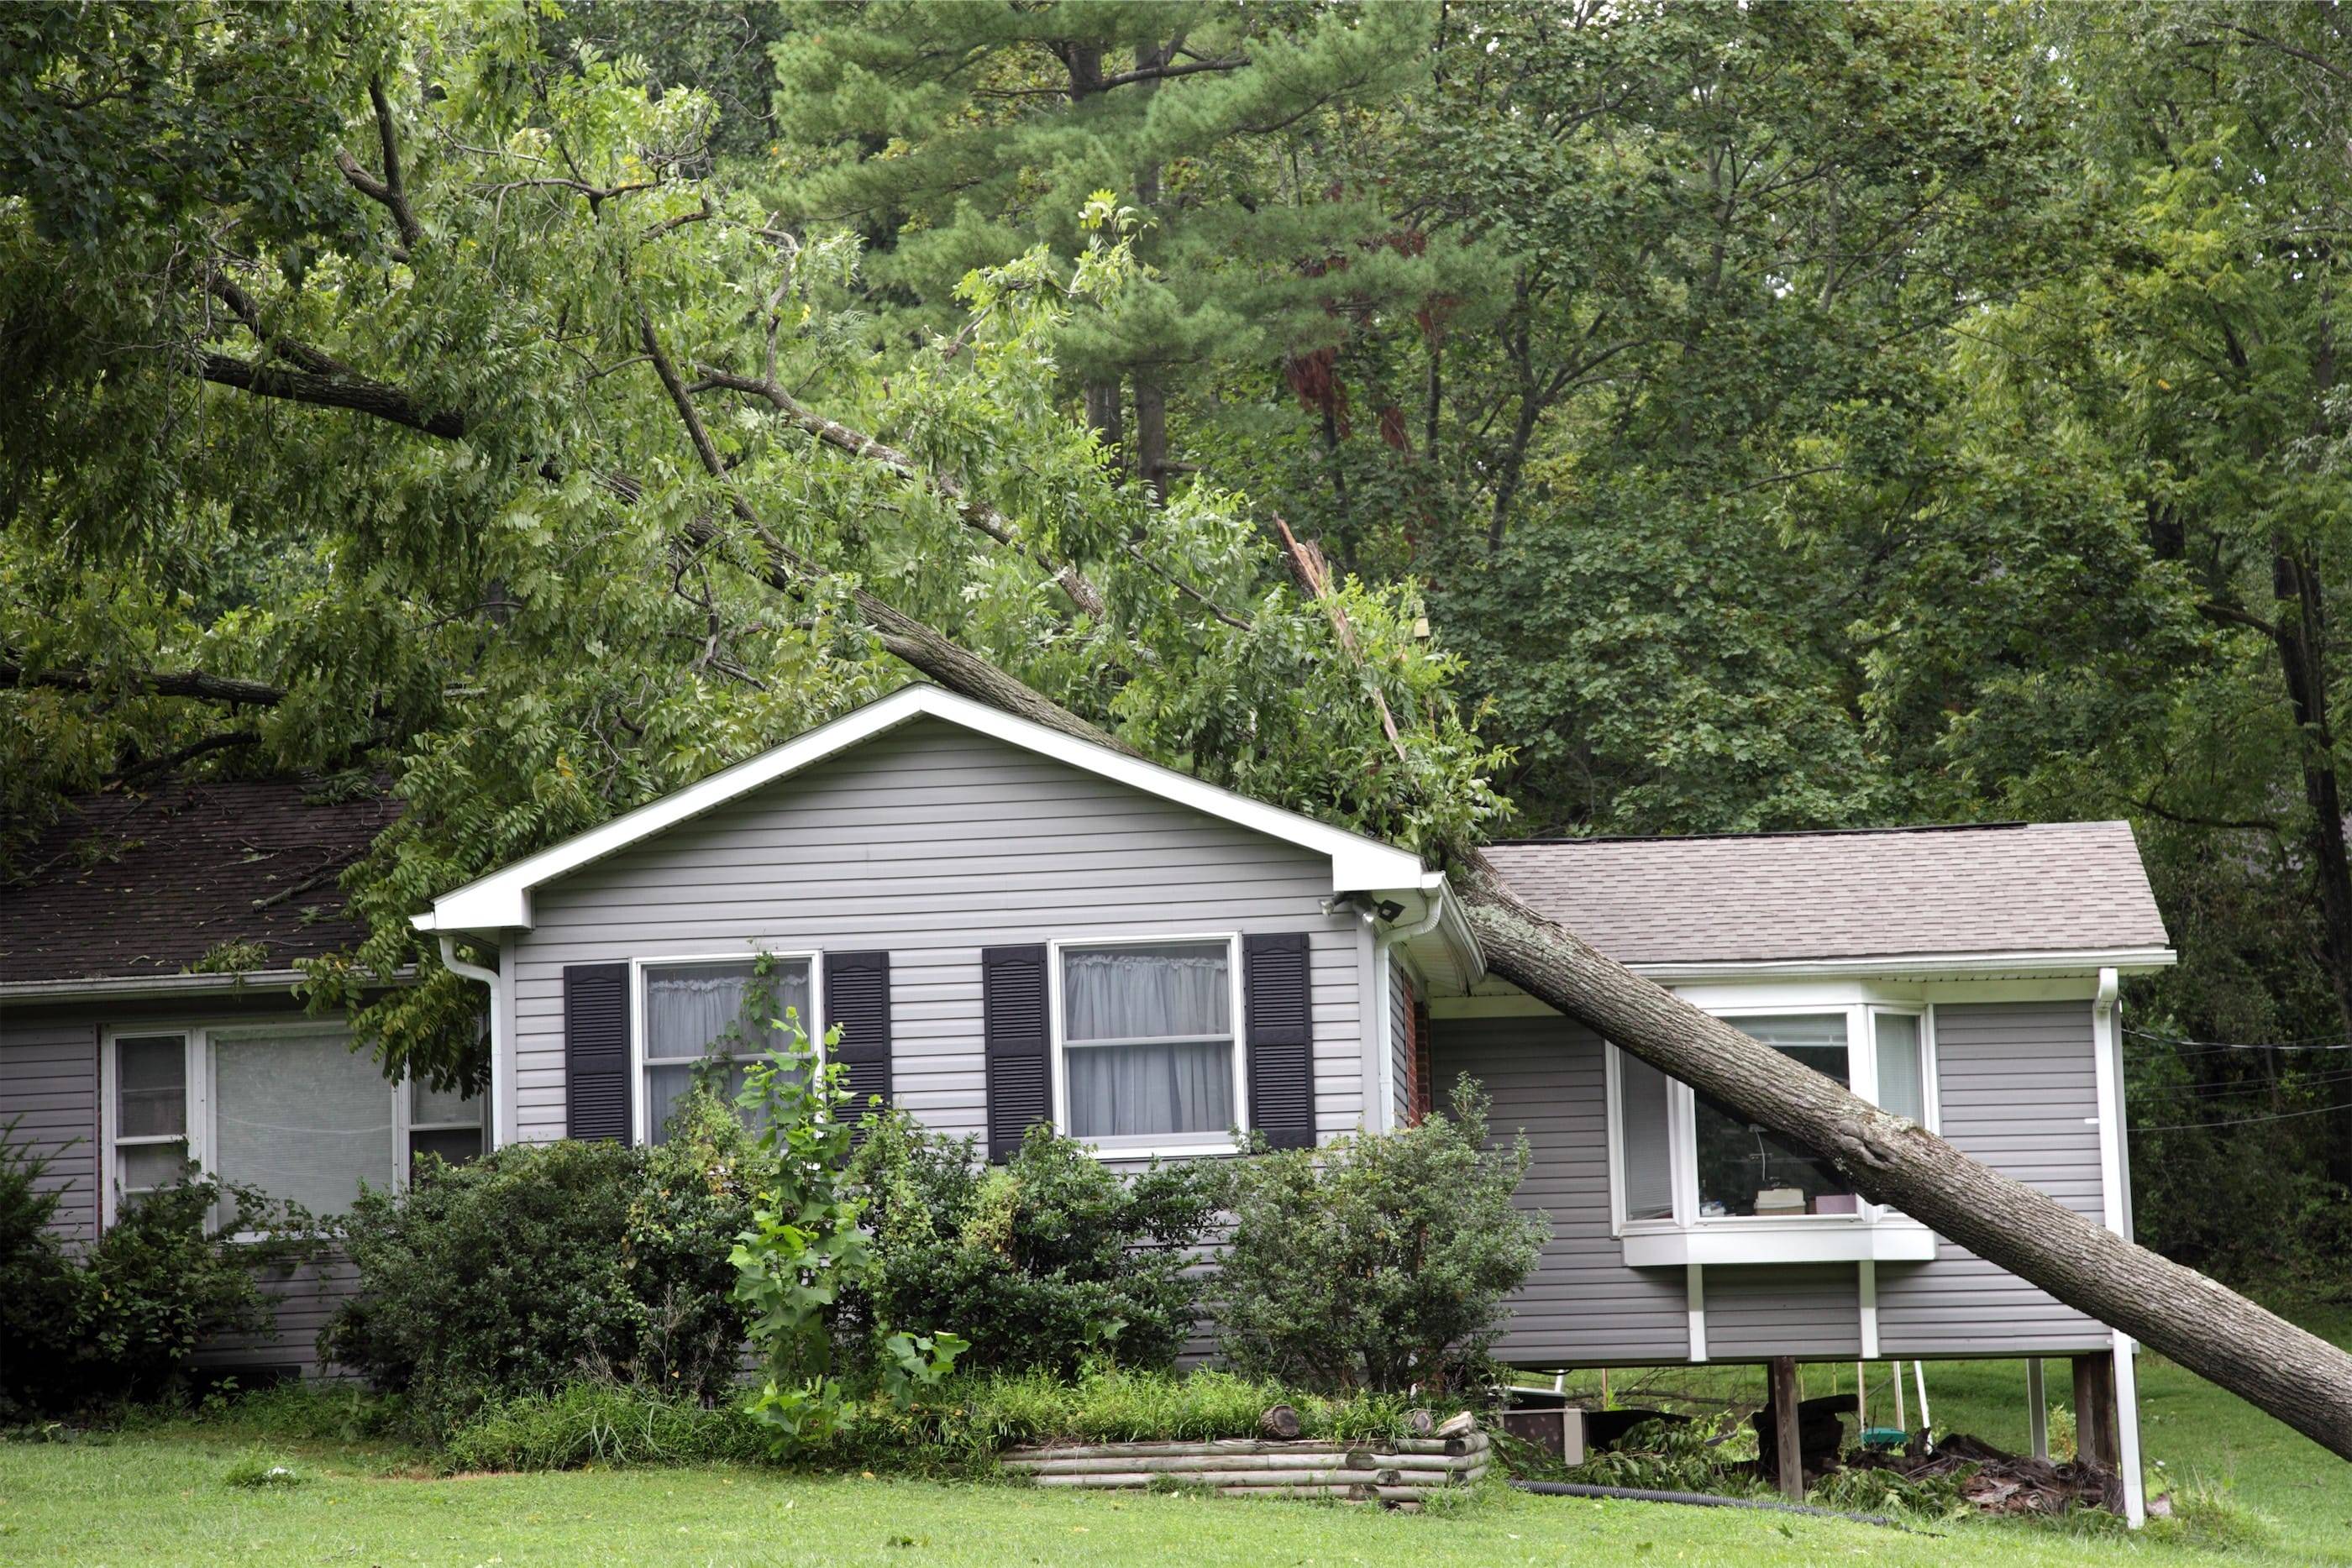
(501, 901)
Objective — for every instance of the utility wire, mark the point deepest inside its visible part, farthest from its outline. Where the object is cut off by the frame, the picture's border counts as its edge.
(2316, 1042)
(2237, 1121)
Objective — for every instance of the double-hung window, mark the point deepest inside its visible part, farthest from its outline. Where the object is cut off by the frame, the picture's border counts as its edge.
(707, 1021)
(292, 1111)
(1148, 1053)
(150, 1112)
(1682, 1161)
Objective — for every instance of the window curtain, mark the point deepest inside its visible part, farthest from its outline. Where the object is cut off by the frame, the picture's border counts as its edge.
(1162, 1000)
(1648, 1157)
(697, 1011)
(303, 1117)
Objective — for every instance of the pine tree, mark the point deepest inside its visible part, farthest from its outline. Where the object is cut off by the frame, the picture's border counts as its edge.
(962, 135)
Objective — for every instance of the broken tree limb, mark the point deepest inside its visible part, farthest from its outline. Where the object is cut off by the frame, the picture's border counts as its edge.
(2294, 1376)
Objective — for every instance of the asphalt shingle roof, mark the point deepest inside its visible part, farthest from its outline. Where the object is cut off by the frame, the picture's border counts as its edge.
(1996, 889)
(146, 884)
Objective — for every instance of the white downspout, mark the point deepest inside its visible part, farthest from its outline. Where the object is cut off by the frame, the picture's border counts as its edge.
(458, 967)
(2109, 1068)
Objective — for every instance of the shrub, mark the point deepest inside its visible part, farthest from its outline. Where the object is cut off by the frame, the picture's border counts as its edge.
(525, 1269)
(123, 1320)
(1042, 1262)
(1380, 1261)
(1112, 1405)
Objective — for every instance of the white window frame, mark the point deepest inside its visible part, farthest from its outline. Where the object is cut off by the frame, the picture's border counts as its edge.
(1150, 1146)
(1873, 1231)
(640, 1100)
(403, 1123)
(198, 1040)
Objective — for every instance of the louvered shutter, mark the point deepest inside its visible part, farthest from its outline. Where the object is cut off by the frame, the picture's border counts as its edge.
(1015, 1034)
(597, 1050)
(1280, 1040)
(857, 1003)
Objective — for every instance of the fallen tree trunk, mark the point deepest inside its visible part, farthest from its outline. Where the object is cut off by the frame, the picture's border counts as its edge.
(2294, 1376)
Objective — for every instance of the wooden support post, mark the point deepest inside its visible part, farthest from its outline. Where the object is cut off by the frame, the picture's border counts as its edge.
(2037, 1407)
(1786, 1445)
(1861, 1399)
(1902, 1418)
(2094, 1408)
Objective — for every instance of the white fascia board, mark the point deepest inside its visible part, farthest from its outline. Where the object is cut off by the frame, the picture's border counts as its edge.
(501, 901)
(1933, 966)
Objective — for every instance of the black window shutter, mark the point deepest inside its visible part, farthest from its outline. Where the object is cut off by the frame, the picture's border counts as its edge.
(857, 1003)
(1015, 1034)
(597, 1050)
(1281, 1038)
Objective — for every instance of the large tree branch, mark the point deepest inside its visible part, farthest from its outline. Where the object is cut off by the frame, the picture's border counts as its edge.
(356, 393)
(391, 190)
(162, 682)
(911, 640)
(973, 512)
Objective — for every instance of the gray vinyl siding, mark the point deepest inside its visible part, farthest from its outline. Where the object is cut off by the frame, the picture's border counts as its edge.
(49, 1078)
(2016, 1082)
(1798, 1309)
(48, 1087)
(1582, 1306)
(933, 842)
(2019, 1086)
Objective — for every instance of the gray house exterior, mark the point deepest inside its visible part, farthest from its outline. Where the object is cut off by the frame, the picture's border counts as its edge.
(1011, 926)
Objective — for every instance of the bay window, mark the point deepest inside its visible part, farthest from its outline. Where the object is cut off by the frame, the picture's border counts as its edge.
(1144, 1034)
(1683, 1164)
(707, 1021)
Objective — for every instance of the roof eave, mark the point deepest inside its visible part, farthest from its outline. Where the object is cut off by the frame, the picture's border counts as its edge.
(129, 988)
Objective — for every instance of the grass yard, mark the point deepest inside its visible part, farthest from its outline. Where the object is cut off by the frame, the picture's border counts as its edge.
(163, 1496)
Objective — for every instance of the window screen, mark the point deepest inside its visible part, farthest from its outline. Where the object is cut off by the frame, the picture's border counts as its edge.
(713, 1020)
(303, 1117)
(1147, 1037)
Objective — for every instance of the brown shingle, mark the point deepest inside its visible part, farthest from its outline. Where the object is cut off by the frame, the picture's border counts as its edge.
(2008, 888)
(132, 885)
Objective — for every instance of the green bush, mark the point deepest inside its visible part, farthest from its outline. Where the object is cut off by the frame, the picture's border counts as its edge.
(1045, 1261)
(122, 1320)
(1380, 1261)
(1676, 1456)
(543, 1263)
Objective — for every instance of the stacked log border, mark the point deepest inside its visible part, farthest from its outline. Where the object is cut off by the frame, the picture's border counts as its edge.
(1394, 1472)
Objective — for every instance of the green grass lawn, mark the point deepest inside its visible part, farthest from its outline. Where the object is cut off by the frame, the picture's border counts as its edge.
(163, 1496)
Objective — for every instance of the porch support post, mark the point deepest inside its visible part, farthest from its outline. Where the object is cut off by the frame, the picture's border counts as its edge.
(1787, 1446)
(2037, 1407)
(2095, 1421)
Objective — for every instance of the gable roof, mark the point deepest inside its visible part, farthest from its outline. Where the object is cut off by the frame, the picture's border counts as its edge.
(146, 884)
(2014, 889)
(501, 901)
